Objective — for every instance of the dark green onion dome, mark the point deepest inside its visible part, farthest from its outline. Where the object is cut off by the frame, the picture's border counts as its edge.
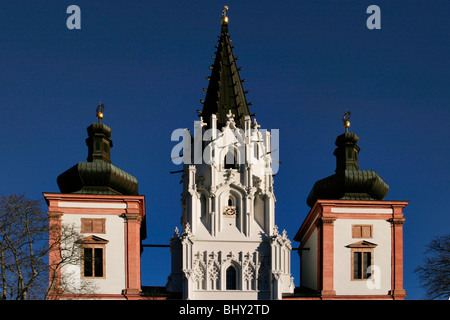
(98, 175)
(348, 183)
(225, 91)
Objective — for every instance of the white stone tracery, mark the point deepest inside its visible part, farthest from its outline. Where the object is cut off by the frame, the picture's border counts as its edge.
(228, 218)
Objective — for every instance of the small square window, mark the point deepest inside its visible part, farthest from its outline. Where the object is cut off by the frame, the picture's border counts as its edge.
(362, 231)
(92, 225)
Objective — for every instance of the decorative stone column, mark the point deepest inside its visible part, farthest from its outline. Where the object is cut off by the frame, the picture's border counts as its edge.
(133, 221)
(326, 255)
(397, 292)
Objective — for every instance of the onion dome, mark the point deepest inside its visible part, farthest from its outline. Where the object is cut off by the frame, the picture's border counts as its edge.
(348, 183)
(98, 175)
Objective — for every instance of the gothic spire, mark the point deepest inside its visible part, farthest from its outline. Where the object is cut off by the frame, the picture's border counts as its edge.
(225, 92)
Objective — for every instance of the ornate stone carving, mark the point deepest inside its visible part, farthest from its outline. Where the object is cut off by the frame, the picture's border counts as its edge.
(229, 175)
(199, 274)
(229, 211)
(214, 272)
(249, 273)
(257, 182)
(187, 233)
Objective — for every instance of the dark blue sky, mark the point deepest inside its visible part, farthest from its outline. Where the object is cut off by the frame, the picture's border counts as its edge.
(305, 62)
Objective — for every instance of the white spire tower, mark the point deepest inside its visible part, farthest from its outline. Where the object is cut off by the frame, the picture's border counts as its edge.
(230, 247)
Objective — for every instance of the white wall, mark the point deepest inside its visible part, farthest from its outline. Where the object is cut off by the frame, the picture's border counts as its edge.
(343, 284)
(309, 262)
(247, 232)
(222, 249)
(114, 282)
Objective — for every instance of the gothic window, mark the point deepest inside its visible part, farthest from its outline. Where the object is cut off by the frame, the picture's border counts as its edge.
(231, 278)
(231, 208)
(204, 216)
(203, 206)
(258, 209)
(231, 159)
(256, 150)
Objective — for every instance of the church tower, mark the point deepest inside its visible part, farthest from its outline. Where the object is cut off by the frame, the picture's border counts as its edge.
(230, 246)
(103, 215)
(351, 242)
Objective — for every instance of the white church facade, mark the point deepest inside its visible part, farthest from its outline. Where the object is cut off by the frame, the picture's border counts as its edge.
(230, 247)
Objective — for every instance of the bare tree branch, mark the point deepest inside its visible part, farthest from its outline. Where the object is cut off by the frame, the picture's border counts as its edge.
(435, 273)
(26, 241)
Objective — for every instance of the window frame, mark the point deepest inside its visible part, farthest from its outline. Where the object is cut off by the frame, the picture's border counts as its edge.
(231, 211)
(235, 165)
(85, 225)
(364, 274)
(227, 278)
(361, 247)
(359, 234)
(94, 265)
(93, 242)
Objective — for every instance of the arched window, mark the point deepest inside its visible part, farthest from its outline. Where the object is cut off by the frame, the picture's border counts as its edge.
(258, 211)
(231, 277)
(256, 150)
(203, 205)
(204, 216)
(231, 160)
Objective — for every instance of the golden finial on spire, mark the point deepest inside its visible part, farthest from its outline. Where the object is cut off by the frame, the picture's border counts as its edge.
(224, 15)
(345, 120)
(100, 109)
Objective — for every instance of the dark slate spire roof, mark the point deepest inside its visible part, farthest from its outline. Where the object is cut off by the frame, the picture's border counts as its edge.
(98, 175)
(225, 91)
(348, 182)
